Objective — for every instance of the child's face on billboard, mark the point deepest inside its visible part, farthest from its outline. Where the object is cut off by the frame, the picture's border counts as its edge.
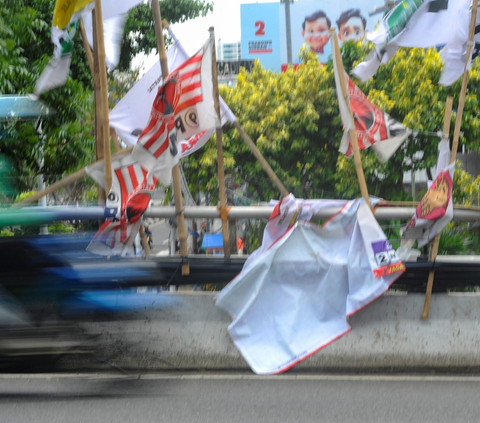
(352, 30)
(316, 33)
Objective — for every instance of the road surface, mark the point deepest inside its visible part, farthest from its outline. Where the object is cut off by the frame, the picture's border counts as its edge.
(226, 398)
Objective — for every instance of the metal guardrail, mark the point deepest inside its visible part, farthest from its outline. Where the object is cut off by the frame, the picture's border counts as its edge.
(264, 212)
(218, 271)
(38, 215)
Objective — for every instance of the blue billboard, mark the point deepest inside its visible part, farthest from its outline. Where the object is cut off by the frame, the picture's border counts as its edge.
(261, 33)
(310, 22)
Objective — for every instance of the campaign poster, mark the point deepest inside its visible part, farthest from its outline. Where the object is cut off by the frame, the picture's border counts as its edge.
(311, 21)
(261, 34)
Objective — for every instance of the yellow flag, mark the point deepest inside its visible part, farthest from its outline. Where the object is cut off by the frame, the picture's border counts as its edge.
(64, 9)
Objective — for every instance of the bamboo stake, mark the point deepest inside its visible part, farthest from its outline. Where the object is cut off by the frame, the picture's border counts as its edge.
(177, 187)
(436, 240)
(63, 182)
(98, 102)
(220, 164)
(263, 162)
(104, 115)
(353, 133)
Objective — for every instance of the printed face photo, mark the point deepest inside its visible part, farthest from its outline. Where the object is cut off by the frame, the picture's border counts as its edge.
(352, 30)
(315, 34)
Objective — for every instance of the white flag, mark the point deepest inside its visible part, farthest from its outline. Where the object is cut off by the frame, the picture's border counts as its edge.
(294, 295)
(115, 15)
(454, 54)
(131, 114)
(435, 210)
(56, 72)
(373, 126)
(412, 23)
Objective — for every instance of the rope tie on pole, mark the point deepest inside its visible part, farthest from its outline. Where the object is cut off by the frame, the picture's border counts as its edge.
(224, 212)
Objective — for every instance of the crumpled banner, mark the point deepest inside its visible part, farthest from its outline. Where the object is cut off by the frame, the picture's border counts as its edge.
(295, 293)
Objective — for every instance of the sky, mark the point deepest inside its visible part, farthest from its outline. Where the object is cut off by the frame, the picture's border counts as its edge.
(193, 33)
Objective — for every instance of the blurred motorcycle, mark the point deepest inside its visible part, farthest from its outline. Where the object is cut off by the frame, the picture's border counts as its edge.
(45, 300)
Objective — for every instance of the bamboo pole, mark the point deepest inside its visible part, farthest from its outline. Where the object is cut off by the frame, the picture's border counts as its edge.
(220, 161)
(63, 182)
(436, 240)
(104, 115)
(353, 133)
(98, 102)
(258, 155)
(177, 187)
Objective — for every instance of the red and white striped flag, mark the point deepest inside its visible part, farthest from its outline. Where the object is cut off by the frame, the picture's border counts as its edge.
(156, 148)
(182, 108)
(129, 197)
(193, 102)
(132, 113)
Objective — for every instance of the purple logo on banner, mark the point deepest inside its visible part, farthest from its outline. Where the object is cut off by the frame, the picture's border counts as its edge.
(384, 253)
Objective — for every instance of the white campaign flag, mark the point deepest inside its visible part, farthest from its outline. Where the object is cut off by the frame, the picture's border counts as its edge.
(69, 13)
(435, 210)
(454, 54)
(131, 114)
(412, 23)
(295, 293)
(373, 126)
(56, 72)
(187, 100)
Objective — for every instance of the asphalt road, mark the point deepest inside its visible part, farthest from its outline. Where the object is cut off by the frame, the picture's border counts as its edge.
(238, 398)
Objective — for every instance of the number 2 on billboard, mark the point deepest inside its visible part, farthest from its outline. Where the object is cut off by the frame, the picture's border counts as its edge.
(261, 28)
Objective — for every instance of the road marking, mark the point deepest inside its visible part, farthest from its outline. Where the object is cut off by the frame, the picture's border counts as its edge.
(203, 376)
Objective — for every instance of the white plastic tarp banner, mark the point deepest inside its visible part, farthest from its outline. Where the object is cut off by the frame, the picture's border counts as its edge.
(454, 54)
(295, 293)
(412, 23)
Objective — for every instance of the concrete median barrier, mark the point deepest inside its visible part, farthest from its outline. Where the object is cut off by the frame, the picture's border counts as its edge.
(389, 335)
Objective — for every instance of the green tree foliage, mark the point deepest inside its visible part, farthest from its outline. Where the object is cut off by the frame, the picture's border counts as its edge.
(293, 118)
(26, 48)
